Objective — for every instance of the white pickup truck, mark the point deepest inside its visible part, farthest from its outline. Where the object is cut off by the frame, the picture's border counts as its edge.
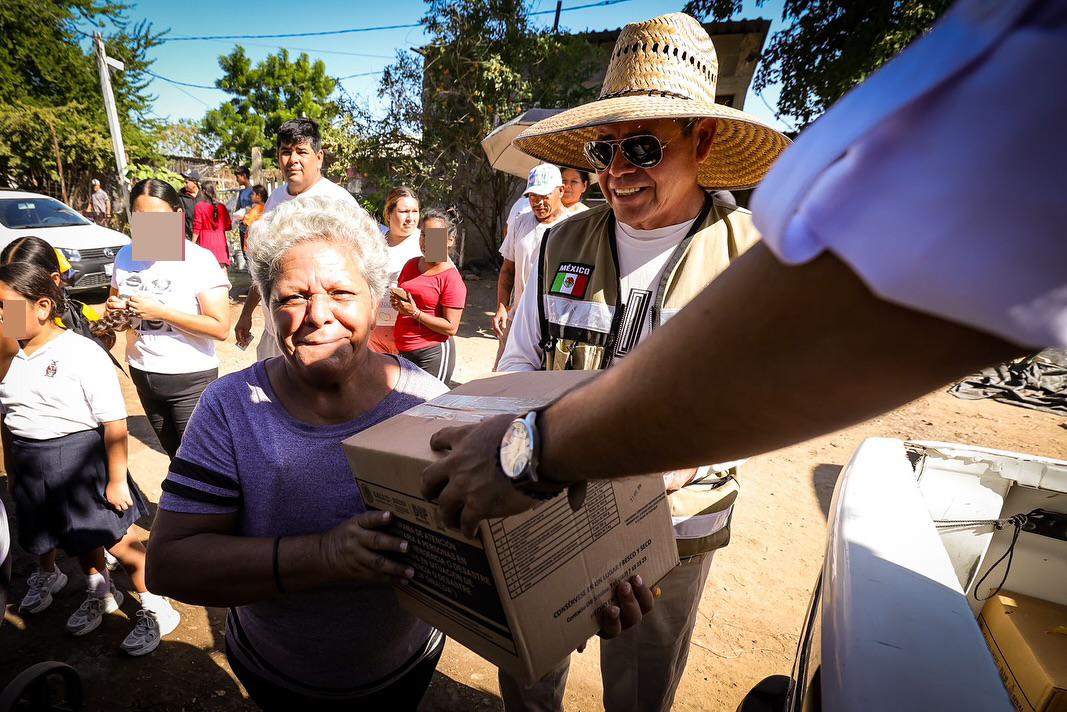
(892, 624)
(88, 247)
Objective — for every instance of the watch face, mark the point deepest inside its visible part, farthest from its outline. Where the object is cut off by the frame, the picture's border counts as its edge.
(515, 450)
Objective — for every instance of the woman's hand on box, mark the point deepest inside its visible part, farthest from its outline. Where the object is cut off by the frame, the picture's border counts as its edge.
(359, 549)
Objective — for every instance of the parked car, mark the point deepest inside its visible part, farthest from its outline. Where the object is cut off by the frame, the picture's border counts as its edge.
(88, 247)
(910, 560)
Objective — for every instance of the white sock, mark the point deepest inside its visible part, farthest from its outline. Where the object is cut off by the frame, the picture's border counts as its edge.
(152, 602)
(99, 584)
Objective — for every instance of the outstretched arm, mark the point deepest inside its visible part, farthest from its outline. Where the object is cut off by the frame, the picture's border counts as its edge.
(766, 356)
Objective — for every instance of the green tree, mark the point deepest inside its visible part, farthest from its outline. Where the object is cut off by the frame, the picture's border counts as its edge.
(185, 137)
(829, 46)
(485, 63)
(50, 101)
(264, 97)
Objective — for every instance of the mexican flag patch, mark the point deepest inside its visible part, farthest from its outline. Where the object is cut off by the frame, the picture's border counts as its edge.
(571, 280)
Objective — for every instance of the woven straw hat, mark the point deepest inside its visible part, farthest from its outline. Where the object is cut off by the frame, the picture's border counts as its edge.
(663, 68)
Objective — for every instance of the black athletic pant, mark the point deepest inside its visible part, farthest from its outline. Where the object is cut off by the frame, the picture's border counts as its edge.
(439, 360)
(168, 400)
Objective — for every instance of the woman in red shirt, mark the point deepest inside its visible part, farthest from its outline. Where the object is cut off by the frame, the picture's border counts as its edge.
(429, 300)
(210, 223)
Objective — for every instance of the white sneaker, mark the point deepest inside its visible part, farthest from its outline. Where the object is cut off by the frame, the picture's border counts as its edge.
(151, 627)
(111, 561)
(42, 586)
(92, 610)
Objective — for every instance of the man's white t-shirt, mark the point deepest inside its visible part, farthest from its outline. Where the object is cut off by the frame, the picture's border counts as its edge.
(398, 256)
(67, 386)
(520, 206)
(642, 256)
(323, 187)
(157, 346)
(521, 246)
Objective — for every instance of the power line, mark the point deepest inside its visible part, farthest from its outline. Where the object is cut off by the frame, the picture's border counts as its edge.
(603, 3)
(351, 30)
(188, 38)
(192, 96)
(309, 49)
(360, 74)
(775, 112)
(181, 84)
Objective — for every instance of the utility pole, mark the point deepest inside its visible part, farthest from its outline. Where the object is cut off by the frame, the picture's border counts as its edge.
(555, 25)
(257, 165)
(59, 162)
(104, 64)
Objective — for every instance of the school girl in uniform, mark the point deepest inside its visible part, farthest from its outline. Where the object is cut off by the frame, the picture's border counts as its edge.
(78, 316)
(63, 423)
(82, 319)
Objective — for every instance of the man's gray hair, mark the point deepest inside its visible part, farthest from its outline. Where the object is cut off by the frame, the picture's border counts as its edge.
(314, 218)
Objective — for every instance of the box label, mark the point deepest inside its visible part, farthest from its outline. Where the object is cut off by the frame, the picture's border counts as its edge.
(452, 576)
(533, 550)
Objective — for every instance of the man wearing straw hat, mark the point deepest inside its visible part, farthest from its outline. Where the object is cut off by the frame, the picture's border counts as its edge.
(839, 278)
(606, 278)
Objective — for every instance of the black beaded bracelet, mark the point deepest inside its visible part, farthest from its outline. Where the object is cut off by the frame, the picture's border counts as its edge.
(277, 572)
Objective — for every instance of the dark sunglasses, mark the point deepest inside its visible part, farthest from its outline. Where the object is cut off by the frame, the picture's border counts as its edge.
(644, 151)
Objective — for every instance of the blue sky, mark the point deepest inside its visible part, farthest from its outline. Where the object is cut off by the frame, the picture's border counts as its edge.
(196, 62)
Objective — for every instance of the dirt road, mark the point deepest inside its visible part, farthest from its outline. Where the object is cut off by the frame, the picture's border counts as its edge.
(750, 615)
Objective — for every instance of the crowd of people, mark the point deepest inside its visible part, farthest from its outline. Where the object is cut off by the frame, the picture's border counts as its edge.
(359, 328)
(260, 512)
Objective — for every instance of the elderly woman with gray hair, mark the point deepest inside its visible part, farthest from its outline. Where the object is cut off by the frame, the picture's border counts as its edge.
(260, 512)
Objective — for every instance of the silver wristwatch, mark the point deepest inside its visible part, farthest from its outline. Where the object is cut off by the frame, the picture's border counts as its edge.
(519, 451)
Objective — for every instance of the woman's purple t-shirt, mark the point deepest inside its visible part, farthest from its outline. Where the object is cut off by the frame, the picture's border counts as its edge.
(243, 453)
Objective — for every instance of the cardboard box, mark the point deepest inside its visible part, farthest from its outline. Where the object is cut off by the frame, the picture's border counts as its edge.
(525, 592)
(1028, 639)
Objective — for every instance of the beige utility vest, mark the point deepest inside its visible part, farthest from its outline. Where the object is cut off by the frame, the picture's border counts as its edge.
(581, 315)
(579, 299)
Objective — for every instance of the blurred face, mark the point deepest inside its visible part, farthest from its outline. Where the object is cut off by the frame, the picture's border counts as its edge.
(547, 207)
(323, 311)
(573, 187)
(243, 181)
(149, 204)
(256, 200)
(431, 224)
(37, 313)
(664, 194)
(405, 217)
(191, 186)
(301, 165)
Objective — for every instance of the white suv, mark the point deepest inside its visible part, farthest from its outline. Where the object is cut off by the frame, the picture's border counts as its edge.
(89, 248)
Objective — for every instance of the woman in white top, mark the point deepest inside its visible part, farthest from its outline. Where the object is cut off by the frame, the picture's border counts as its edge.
(402, 245)
(63, 425)
(575, 183)
(175, 311)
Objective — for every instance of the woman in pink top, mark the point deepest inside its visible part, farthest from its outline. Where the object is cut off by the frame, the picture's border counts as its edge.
(210, 223)
(429, 300)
